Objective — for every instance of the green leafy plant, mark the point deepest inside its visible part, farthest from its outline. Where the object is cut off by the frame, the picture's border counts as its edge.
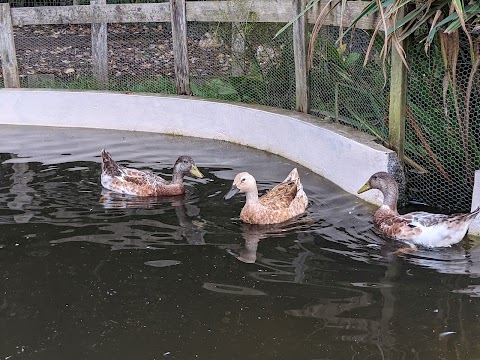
(160, 85)
(215, 88)
(340, 85)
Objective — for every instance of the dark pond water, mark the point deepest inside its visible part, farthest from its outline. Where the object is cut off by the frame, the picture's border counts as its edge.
(183, 278)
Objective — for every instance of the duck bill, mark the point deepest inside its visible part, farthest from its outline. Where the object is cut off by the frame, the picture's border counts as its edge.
(232, 192)
(195, 172)
(364, 188)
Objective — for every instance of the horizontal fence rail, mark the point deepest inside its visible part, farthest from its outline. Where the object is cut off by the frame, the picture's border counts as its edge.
(200, 11)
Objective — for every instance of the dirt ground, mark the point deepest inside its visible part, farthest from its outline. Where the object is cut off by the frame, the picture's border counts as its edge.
(135, 51)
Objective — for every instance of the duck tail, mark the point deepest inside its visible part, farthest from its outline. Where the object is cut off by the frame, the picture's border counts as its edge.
(467, 217)
(474, 213)
(109, 166)
(295, 178)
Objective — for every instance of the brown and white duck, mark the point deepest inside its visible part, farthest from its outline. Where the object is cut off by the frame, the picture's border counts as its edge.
(419, 227)
(143, 183)
(283, 202)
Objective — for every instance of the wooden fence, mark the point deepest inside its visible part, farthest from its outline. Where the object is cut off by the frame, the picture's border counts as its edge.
(179, 13)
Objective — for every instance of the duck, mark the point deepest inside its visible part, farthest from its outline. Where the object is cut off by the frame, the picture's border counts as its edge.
(416, 228)
(124, 180)
(283, 202)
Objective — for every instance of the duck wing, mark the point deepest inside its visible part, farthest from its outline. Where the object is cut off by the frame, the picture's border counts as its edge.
(422, 219)
(142, 178)
(397, 226)
(412, 223)
(137, 177)
(427, 228)
(280, 197)
(423, 228)
(136, 182)
(425, 219)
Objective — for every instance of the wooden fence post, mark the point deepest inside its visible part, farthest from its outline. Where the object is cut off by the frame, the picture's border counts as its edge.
(398, 98)
(238, 49)
(7, 49)
(180, 51)
(100, 50)
(300, 55)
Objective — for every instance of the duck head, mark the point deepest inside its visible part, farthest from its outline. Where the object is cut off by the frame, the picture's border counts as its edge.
(244, 183)
(386, 184)
(381, 181)
(185, 165)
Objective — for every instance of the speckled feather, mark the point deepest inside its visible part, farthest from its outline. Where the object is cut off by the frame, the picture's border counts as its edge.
(421, 228)
(143, 183)
(281, 203)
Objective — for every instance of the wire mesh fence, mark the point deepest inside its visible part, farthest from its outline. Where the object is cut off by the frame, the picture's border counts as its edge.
(344, 89)
(245, 62)
(140, 59)
(60, 56)
(442, 129)
(242, 62)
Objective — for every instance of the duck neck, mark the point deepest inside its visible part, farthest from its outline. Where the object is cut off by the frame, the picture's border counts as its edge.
(177, 177)
(390, 197)
(252, 196)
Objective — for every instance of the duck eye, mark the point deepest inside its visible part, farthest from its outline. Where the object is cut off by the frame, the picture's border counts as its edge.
(243, 180)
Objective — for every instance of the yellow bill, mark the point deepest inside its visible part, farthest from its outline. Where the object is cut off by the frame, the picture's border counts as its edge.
(364, 188)
(195, 172)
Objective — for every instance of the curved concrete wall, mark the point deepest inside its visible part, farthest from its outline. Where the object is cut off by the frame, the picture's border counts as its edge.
(344, 156)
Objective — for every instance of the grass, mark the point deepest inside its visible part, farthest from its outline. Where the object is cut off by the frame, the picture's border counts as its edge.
(159, 85)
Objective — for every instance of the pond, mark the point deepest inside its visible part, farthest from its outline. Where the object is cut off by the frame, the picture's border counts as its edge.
(91, 276)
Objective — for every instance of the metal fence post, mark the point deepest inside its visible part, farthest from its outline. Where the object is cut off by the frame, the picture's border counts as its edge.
(300, 54)
(7, 49)
(180, 51)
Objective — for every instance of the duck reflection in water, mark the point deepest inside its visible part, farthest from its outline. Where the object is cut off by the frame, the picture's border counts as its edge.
(252, 234)
(22, 193)
(189, 228)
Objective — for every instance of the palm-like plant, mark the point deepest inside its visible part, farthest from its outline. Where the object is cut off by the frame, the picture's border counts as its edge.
(441, 20)
(440, 17)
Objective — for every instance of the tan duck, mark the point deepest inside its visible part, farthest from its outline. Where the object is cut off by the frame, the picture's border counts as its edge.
(283, 202)
(143, 183)
(419, 227)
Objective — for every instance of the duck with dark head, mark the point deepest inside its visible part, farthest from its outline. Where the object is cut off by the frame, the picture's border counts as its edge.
(419, 227)
(118, 178)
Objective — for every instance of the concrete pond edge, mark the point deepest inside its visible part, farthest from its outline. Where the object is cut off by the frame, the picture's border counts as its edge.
(343, 155)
